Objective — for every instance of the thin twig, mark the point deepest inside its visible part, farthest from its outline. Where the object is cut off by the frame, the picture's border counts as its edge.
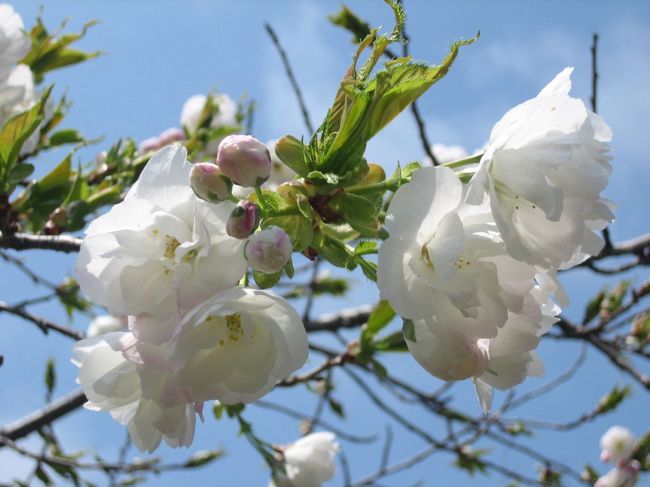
(292, 78)
(281, 408)
(42, 323)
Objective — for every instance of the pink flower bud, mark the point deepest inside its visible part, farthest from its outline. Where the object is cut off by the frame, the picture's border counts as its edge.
(150, 144)
(269, 250)
(171, 135)
(209, 183)
(244, 159)
(243, 220)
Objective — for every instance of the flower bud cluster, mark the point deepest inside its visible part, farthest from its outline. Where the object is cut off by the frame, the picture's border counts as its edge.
(472, 267)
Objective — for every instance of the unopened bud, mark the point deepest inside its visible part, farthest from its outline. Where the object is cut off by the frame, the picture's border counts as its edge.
(244, 159)
(209, 183)
(171, 135)
(151, 144)
(243, 220)
(269, 250)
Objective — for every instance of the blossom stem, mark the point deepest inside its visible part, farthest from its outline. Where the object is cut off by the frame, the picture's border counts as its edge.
(391, 184)
(464, 162)
(260, 198)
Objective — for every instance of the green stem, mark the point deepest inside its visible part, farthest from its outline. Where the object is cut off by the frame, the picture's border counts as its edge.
(464, 162)
(261, 201)
(387, 185)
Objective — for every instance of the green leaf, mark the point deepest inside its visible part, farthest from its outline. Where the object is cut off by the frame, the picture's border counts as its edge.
(614, 299)
(593, 308)
(266, 281)
(613, 399)
(369, 268)
(391, 343)
(13, 135)
(346, 19)
(50, 376)
(380, 317)
(288, 269)
(218, 409)
(470, 461)
(365, 248)
(336, 407)
(20, 172)
(43, 476)
(201, 458)
(408, 329)
(49, 53)
(361, 214)
(66, 136)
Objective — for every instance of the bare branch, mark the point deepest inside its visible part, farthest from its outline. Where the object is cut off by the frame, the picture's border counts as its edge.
(26, 241)
(347, 318)
(46, 415)
(42, 323)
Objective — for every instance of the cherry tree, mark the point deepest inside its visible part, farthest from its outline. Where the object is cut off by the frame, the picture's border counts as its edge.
(201, 253)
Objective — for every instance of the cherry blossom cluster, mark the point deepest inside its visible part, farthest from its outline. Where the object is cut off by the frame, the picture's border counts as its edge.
(618, 445)
(471, 266)
(164, 259)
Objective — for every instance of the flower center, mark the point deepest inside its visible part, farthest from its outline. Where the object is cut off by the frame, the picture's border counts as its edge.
(171, 244)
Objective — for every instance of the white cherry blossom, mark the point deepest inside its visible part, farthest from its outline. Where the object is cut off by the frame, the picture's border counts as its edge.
(226, 115)
(617, 445)
(445, 261)
(139, 394)
(161, 248)
(15, 43)
(309, 462)
(237, 345)
(544, 168)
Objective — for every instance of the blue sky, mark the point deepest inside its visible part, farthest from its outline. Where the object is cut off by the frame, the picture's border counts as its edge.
(158, 53)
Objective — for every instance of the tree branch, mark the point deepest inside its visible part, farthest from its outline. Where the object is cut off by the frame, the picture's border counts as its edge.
(26, 241)
(43, 416)
(42, 323)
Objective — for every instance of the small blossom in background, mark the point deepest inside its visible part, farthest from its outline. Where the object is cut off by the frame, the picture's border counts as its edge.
(617, 445)
(544, 168)
(309, 462)
(269, 250)
(226, 115)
